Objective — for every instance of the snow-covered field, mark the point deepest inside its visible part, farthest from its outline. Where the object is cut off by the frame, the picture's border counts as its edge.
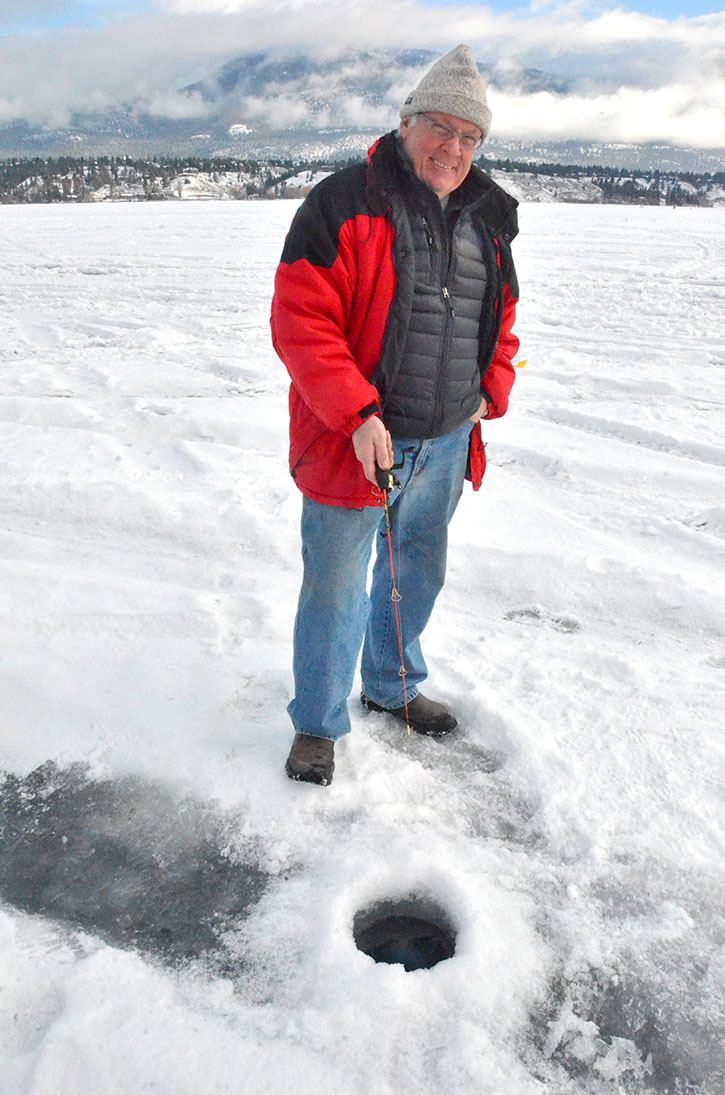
(149, 566)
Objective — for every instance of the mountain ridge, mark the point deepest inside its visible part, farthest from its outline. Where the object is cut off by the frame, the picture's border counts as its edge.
(274, 105)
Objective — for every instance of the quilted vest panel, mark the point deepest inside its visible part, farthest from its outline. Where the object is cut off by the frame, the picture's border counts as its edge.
(438, 384)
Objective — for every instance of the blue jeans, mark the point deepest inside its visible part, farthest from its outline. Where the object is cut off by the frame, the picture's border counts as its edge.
(335, 613)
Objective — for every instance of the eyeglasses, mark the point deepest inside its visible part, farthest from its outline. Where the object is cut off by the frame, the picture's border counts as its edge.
(446, 133)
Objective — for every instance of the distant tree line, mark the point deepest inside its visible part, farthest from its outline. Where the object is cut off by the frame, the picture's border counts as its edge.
(642, 186)
(77, 179)
(70, 178)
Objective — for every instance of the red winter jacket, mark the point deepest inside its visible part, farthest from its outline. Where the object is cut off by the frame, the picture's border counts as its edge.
(339, 313)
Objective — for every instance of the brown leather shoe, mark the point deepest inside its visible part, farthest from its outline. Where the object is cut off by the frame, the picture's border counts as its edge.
(311, 759)
(426, 716)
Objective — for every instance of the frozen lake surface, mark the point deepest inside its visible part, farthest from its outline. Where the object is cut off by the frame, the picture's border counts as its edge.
(175, 915)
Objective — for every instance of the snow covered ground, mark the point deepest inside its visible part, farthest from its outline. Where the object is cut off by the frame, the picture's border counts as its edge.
(149, 566)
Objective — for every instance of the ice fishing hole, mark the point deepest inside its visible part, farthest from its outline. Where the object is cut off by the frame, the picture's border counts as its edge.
(412, 932)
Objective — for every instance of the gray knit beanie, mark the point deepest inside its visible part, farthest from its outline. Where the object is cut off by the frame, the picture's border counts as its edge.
(453, 86)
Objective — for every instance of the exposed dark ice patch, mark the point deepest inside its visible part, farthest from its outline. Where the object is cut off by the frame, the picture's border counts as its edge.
(611, 1027)
(650, 1017)
(124, 859)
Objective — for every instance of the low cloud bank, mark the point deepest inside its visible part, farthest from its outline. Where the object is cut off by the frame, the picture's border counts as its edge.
(629, 77)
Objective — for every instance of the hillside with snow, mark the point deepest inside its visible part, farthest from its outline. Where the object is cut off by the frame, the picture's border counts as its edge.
(177, 916)
(159, 179)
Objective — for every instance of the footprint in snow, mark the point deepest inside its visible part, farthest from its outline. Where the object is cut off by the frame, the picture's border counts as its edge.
(567, 624)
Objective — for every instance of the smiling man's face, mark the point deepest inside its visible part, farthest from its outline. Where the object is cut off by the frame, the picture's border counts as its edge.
(439, 162)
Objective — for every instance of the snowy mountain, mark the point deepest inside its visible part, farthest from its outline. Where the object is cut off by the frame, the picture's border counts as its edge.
(263, 106)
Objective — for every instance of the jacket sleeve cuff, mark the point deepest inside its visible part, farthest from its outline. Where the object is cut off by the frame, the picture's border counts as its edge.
(362, 416)
(367, 412)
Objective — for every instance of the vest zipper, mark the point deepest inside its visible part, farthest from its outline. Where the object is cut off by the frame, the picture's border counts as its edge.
(447, 298)
(446, 273)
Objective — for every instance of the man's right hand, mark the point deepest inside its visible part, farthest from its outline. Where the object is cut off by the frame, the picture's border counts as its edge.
(373, 445)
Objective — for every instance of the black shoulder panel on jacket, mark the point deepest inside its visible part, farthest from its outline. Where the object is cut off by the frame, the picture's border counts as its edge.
(315, 231)
(511, 228)
(500, 207)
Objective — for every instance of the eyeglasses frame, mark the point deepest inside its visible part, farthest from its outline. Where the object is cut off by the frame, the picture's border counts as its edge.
(451, 133)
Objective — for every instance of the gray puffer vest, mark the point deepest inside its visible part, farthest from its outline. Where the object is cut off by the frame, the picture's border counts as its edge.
(451, 278)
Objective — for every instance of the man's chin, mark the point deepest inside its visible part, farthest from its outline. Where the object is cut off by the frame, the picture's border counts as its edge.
(441, 191)
(442, 182)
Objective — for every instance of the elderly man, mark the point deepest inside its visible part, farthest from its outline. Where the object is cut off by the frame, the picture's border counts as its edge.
(393, 312)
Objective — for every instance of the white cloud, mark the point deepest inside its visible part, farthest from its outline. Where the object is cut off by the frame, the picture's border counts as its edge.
(354, 111)
(632, 76)
(175, 105)
(278, 112)
(672, 115)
